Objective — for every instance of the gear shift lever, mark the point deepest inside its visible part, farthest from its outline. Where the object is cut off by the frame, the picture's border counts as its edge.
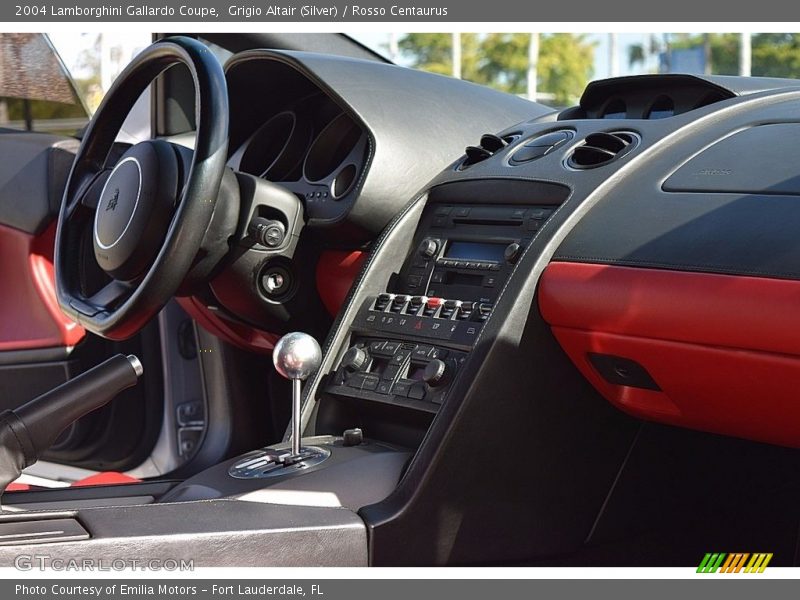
(296, 356)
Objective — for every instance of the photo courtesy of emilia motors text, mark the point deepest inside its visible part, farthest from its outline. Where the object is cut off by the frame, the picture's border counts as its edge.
(399, 299)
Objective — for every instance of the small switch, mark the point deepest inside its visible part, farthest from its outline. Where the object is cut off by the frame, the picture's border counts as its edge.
(370, 383)
(352, 437)
(188, 439)
(417, 391)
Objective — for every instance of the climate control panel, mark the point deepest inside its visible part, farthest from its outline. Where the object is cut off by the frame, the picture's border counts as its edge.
(396, 372)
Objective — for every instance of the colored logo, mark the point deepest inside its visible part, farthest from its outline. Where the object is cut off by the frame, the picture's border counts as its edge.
(739, 562)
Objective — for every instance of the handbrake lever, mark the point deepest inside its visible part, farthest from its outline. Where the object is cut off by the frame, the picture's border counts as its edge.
(27, 431)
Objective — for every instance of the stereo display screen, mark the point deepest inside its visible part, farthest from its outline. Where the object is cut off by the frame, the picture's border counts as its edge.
(475, 251)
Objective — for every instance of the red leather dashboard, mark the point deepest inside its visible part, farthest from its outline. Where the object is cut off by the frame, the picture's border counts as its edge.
(335, 274)
(724, 350)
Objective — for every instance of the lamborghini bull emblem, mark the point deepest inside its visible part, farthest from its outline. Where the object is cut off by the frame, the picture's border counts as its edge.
(112, 203)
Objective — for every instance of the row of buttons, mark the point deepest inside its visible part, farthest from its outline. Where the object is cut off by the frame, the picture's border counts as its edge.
(421, 351)
(439, 329)
(406, 388)
(463, 264)
(432, 307)
(514, 213)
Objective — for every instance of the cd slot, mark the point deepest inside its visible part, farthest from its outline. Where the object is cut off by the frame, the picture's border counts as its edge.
(488, 221)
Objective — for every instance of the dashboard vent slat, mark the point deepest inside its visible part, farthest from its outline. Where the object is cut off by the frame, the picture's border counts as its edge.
(489, 145)
(601, 148)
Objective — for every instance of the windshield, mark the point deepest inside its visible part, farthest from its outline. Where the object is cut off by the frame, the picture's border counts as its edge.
(563, 63)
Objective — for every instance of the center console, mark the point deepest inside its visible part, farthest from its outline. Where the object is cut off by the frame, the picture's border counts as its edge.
(409, 342)
(399, 369)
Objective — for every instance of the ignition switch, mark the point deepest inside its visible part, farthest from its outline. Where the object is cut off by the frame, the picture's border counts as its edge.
(276, 281)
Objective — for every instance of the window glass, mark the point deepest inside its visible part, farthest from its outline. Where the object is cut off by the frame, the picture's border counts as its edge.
(36, 93)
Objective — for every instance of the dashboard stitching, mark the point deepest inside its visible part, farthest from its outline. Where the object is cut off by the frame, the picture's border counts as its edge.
(367, 163)
(471, 357)
(349, 301)
(511, 276)
(372, 255)
(720, 268)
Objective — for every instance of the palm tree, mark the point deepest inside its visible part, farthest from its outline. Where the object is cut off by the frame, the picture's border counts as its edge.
(641, 53)
(533, 66)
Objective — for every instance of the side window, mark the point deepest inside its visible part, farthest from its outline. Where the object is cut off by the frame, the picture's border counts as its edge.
(94, 60)
(54, 83)
(36, 92)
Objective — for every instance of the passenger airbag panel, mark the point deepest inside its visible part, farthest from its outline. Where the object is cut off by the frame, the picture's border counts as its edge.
(722, 349)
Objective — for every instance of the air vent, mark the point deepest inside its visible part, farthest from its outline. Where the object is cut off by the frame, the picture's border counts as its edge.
(540, 146)
(601, 148)
(489, 145)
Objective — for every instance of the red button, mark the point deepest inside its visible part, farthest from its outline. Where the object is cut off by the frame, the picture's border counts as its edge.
(434, 302)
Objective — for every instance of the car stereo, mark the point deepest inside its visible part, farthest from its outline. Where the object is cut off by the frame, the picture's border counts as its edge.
(467, 252)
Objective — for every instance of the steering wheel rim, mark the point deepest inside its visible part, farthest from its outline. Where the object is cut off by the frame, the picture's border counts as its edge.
(123, 306)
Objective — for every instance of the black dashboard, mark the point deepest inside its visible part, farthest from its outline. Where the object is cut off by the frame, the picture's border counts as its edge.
(446, 340)
(326, 151)
(646, 97)
(349, 136)
(522, 309)
(544, 313)
(665, 172)
(313, 148)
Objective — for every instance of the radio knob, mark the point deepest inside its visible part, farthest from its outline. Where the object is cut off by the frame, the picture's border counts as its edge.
(428, 248)
(512, 252)
(436, 373)
(354, 359)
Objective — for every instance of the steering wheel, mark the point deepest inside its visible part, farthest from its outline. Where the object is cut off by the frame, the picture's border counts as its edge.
(142, 218)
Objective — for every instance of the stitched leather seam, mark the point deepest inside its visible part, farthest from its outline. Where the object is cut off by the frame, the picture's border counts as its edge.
(344, 315)
(676, 265)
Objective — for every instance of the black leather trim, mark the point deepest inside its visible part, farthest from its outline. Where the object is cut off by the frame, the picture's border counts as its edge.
(33, 173)
(17, 450)
(409, 144)
(639, 224)
(398, 235)
(35, 355)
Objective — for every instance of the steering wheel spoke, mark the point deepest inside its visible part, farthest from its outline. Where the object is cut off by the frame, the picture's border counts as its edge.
(85, 198)
(111, 295)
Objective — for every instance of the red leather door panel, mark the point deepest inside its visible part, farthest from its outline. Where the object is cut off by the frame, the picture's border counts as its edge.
(29, 313)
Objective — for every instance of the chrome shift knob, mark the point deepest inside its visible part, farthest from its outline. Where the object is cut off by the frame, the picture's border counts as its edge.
(297, 355)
